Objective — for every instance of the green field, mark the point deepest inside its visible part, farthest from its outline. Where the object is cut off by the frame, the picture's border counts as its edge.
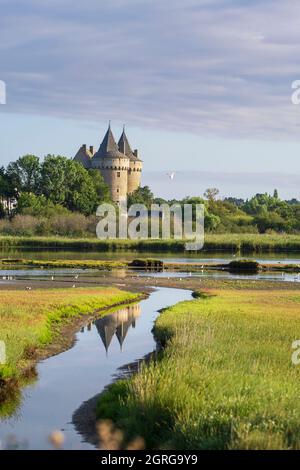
(224, 380)
(244, 243)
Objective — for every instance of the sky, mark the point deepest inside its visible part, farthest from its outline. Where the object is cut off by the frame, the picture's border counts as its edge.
(203, 86)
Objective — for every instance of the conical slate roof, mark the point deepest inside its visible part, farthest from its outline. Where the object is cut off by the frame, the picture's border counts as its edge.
(106, 328)
(122, 331)
(108, 147)
(84, 156)
(124, 146)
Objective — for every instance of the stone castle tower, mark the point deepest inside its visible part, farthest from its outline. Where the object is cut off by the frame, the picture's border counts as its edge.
(120, 166)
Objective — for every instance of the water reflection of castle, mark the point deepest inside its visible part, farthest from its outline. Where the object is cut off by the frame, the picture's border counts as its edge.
(117, 323)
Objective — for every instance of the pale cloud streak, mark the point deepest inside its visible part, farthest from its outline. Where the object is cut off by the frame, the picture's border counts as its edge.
(215, 68)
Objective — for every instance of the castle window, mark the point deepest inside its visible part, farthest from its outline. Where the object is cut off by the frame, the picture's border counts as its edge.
(118, 174)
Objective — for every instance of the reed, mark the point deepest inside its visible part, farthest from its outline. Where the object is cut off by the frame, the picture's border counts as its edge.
(235, 243)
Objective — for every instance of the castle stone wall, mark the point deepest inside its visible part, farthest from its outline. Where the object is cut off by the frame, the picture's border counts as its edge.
(115, 174)
(134, 175)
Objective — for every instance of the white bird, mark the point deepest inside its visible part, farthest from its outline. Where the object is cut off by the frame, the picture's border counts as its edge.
(52, 278)
(171, 175)
(73, 285)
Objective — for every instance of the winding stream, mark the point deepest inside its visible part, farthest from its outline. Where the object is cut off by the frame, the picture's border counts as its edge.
(72, 377)
(101, 350)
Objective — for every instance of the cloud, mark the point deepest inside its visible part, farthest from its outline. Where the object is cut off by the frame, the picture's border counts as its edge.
(214, 68)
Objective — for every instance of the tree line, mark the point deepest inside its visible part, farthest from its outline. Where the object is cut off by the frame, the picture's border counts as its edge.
(57, 193)
(259, 214)
(56, 184)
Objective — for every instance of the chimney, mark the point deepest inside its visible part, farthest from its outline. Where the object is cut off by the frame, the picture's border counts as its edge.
(92, 149)
(84, 146)
(136, 153)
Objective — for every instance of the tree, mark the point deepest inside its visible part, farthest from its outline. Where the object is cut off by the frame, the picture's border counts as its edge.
(271, 221)
(30, 204)
(54, 178)
(81, 194)
(142, 195)
(235, 201)
(24, 174)
(66, 182)
(101, 188)
(211, 194)
(194, 201)
(4, 184)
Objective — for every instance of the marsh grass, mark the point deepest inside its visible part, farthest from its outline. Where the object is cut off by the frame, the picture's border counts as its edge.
(243, 243)
(32, 319)
(225, 379)
(62, 263)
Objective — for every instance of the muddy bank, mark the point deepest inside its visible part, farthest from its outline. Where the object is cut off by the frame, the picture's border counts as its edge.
(135, 283)
(85, 418)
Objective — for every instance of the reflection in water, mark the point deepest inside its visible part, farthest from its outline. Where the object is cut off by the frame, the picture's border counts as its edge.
(68, 379)
(210, 274)
(118, 323)
(217, 257)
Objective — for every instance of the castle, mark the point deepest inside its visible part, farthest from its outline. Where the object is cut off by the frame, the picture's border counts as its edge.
(120, 166)
(117, 324)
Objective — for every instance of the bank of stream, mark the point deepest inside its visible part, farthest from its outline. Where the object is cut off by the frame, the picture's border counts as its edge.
(68, 379)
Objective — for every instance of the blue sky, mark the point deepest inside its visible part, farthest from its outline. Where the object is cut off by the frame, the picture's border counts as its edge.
(204, 87)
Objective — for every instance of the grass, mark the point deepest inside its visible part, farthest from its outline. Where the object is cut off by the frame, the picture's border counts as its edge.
(235, 266)
(62, 263)
(224, 379)
(32, 319)
(147, 263)
(244, 243)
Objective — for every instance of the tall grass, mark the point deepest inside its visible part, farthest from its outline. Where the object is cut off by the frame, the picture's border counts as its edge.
(225, 379)
(244, 243)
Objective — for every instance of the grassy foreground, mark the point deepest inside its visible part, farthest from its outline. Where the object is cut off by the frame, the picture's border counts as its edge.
(244, 243)
(32, 319)
(224, 380)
